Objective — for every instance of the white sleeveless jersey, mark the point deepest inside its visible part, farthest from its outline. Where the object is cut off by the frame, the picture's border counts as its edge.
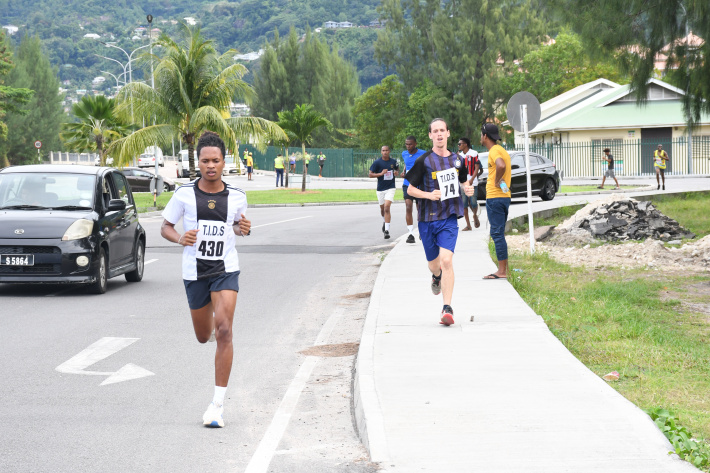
(213, 215)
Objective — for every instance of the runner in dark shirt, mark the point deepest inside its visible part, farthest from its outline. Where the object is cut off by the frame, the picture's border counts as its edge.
(436, 179)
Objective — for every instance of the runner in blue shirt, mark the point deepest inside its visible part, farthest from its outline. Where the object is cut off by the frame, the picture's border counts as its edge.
(409, 155)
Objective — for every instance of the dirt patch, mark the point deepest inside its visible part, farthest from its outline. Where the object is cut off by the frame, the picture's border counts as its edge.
(359, 295)
(332, 351)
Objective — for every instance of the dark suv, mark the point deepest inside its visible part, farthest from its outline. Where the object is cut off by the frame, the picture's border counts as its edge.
(68, 224)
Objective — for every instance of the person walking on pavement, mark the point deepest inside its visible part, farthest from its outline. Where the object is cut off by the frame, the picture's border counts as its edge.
(212, 213)
(321, 163)
(659, 163)
(292, 163)
(609, 158)
(250, 166)
(279, 168)
(409, 156)
(385, 170)
(473, 169)
(435, 179)
(497, 195)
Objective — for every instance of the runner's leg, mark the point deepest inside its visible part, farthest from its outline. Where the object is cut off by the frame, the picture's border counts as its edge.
(446, 258)
(203, 322)
(224, 303)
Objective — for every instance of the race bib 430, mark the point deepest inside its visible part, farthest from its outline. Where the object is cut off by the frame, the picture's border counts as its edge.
(211, 239)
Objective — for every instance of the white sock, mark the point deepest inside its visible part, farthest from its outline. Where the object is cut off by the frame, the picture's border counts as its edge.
(387, 227)
(383, 218)
(219, 392)
(410, 228)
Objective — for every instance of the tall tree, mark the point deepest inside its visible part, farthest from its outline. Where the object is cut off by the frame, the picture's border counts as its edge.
(194, 87)
(95, 128)
(299, 124)
(294, 72)
(44, 111)
(379, 113)
(459, 46)
(10, 97)
(644, 30)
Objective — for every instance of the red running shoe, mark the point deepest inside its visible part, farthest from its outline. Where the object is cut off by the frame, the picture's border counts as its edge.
(447, 316)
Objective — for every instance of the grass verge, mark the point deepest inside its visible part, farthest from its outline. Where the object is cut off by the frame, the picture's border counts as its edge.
(295, 196)
(568, 189)
(144, 201)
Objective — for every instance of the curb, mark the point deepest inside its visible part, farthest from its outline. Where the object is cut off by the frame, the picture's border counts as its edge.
(620, 191)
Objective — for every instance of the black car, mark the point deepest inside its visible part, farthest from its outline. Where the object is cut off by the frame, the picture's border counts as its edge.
(544, 178)
(68, 224)
(140, 180)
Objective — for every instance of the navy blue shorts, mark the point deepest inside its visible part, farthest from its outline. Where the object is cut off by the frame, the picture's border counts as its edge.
(250, 168)
(439, 234)
(199, 293)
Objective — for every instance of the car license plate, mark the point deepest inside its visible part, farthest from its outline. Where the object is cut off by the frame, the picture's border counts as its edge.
(17, 260)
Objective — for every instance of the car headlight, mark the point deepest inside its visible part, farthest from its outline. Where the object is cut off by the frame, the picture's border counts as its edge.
(79, 229)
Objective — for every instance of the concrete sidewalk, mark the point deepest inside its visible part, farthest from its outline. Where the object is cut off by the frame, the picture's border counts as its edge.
(496, 394)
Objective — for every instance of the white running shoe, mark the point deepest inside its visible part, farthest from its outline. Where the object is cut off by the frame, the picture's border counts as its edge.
(213, 416)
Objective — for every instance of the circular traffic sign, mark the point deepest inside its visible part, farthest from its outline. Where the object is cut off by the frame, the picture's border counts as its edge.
(38, 144)
(515, 117)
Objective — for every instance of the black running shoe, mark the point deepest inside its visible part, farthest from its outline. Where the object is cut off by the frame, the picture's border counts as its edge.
(383, 227)
(387, 235)
(410, 239)
(436, 285)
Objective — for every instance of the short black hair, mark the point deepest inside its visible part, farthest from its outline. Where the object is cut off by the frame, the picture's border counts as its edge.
(211, 139)
(607, 150)
(438, 120)
(466, 140)
(388, 147)
(411, 138)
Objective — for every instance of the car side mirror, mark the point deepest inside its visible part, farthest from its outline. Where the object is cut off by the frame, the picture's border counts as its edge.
(514, 166)
(116, 204)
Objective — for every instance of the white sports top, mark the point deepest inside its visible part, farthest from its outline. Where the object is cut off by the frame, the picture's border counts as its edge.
(213, 215)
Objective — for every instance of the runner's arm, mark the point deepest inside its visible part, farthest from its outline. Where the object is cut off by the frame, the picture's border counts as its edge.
(242, 227)
(167, 231)
(415, 176)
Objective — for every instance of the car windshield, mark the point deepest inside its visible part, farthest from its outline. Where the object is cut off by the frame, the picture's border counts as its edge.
(46, 190)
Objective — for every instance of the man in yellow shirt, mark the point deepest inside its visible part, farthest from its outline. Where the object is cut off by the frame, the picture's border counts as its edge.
(279, 168)
(250, 166)
(497, 195)
(659, 163)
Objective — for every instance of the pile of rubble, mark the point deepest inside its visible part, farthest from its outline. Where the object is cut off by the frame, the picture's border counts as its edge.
(625, 219)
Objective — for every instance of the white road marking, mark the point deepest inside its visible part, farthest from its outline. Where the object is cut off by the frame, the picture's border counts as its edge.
(150, 261)
(282, 221)
(96, 352)
(264, 453)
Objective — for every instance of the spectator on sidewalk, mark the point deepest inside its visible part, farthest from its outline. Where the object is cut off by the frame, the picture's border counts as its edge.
(292, 163)
(473, 170)
(250, 166)
(659, 163)
(279, 168)
(497, 195)
(435, 179)
(609, 158)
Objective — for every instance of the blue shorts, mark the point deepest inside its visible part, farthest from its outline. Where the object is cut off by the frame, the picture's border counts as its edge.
(199, 292)
(439, 234)
(250, 168)
(471, 201)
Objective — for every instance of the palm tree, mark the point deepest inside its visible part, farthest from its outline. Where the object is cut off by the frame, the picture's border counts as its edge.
(194, 87)
(97, 126)
(299, 124)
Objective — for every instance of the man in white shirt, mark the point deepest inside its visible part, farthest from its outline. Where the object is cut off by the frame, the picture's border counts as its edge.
(473, 167)
(212, 213)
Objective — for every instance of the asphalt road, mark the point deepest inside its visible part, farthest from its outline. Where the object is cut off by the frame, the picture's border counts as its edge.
(285, 411)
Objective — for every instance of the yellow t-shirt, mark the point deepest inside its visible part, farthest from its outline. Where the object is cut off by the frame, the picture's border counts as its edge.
(493, 191)
(250, 161)
(278, 163)
(659, 159)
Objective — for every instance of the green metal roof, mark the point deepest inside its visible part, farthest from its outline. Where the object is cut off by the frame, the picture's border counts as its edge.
(655, 113)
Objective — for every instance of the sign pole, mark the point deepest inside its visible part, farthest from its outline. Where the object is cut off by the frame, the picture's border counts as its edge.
(524, 115)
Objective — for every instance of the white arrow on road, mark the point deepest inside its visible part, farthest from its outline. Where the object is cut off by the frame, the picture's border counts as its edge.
(96, 352)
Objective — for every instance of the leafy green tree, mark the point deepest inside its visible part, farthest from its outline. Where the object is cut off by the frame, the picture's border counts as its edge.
(294, 72)
(44, 111)
(379, 113)
(644, 29)
(194, 87)
(96, 128)
(10, 97)
(458, 46)
(299, 124)
(558, 67)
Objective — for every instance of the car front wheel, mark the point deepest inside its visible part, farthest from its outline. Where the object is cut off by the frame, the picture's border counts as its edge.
(549, 191)
(99, 286)
(137, 274)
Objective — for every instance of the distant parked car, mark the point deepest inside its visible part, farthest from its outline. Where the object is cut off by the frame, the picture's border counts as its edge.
(148, 160)
(68, 224)
(544, 177)
(140, 179)
(183, 164)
